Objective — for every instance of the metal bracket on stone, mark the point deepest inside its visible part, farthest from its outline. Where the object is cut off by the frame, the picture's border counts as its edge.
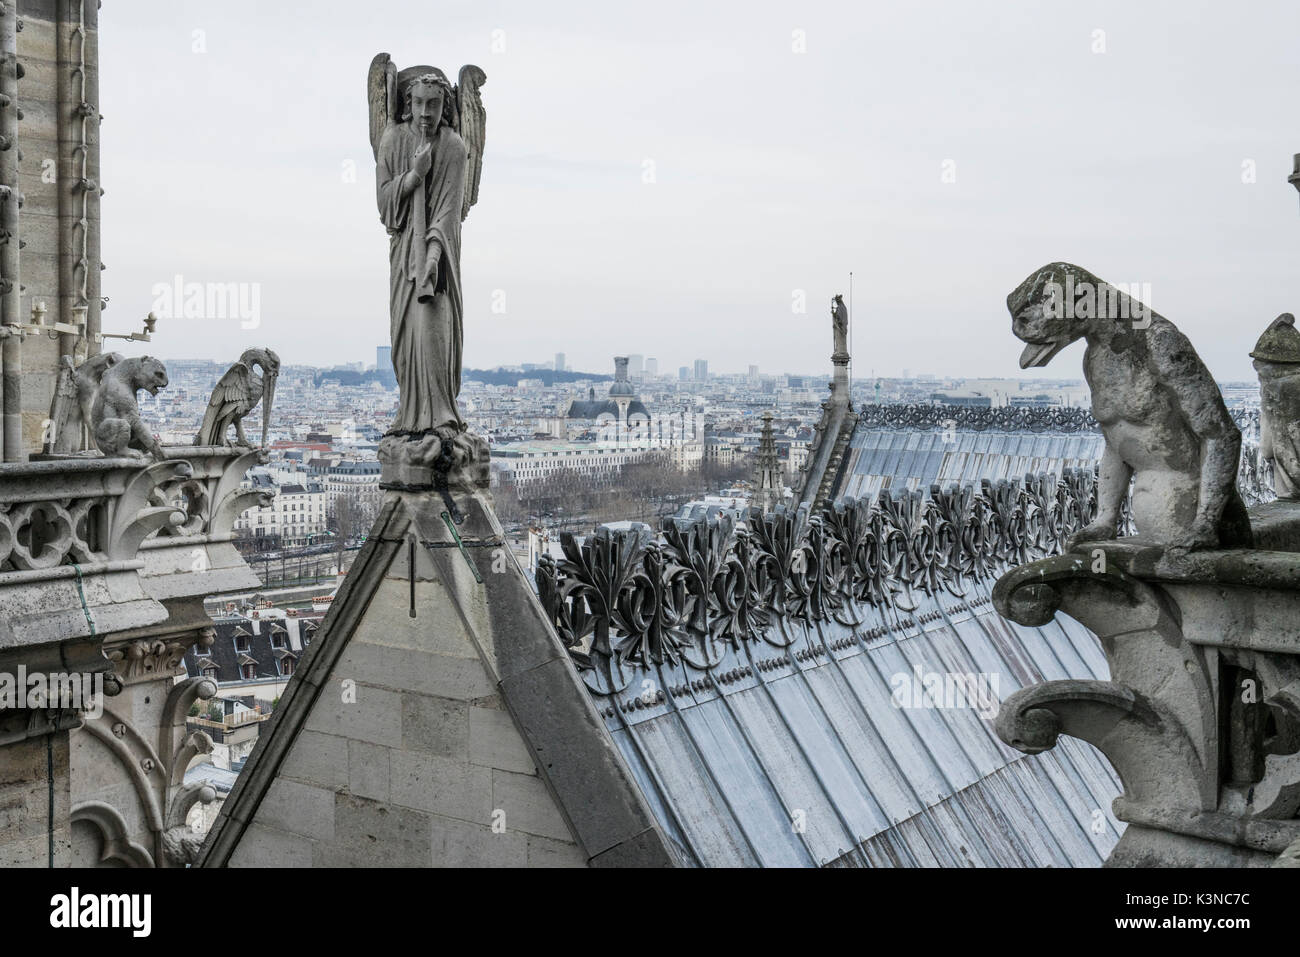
(458, 543)
(440, 469)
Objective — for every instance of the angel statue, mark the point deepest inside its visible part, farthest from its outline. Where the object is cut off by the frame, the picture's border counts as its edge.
(427, 135)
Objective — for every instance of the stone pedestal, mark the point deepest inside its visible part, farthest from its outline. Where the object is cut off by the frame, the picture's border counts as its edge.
(1201, 717)
(429, 461)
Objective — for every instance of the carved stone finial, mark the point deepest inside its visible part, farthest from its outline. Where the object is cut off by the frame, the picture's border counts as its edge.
(1158, 407)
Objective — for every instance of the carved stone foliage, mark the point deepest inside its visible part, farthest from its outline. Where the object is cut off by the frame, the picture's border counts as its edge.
(624, 602)
(209, 497)
(144, 659)
(186, 494)
(1004, 419)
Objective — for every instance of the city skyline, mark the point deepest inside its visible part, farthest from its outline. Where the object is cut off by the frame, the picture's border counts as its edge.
(828, 159)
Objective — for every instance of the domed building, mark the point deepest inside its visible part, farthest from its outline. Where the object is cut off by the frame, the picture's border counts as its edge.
(622, 406)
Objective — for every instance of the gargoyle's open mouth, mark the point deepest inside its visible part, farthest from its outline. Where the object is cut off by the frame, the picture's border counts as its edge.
(1041, 353)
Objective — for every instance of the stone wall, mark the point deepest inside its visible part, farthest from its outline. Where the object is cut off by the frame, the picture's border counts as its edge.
(409, 758)
(55, 185)
(435, 720)
(36, 769)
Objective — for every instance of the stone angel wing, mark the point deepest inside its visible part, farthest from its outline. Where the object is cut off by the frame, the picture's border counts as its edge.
(381, 93)
(232, 395)
(473, 128)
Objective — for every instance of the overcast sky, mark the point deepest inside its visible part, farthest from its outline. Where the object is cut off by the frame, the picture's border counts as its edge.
(774, 171)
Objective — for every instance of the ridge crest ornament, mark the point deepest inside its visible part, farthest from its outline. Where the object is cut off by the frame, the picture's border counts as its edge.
(427, 135)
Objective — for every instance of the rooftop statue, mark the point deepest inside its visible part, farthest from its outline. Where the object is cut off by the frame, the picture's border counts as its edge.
(840, 322)
(115, 414)
(237, 394)
(1164, 420)
(1277, 360)
(427, 136)
(74, 395)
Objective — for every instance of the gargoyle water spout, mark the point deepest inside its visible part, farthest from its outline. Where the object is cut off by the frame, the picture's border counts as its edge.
(1164, 420)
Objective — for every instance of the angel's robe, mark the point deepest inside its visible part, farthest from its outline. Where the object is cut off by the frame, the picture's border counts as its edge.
(426, 321)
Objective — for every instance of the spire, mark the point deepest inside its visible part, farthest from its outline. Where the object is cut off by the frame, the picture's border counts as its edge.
(769, 489)
(840, 355)
(820, 478)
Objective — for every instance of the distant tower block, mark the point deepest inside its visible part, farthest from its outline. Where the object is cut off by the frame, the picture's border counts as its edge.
(769, 487)
(559, 362)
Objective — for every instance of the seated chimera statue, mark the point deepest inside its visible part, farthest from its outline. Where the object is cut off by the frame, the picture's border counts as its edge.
(1164, 420)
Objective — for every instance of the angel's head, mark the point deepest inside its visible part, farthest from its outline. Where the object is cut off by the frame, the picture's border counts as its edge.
(428, 102)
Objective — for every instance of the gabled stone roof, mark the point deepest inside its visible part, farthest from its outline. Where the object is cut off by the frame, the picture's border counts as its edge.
(436, 720)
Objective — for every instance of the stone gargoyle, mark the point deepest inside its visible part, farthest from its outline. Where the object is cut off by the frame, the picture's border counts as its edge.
(1163, 418)
(236, 395)
(74, 395)
(115, 415)
(1277, 361)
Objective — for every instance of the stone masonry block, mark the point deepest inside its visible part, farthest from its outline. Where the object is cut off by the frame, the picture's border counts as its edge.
(528, 805)
(495, 742)
(298, 809)
(451, 788)
(267, 847)
(368, 770)
(436, 725)
(461, 844)
(320, 759)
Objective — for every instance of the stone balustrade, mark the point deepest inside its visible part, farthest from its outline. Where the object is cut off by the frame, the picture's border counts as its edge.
(104, 566)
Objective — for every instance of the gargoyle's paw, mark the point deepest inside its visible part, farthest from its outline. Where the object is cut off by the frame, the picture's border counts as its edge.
(1096, 532)
(1035, 731)
(1035, 604)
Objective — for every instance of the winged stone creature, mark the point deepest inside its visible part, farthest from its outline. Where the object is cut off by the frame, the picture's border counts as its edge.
(68, 428)
(427, 135)
(237, 394)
